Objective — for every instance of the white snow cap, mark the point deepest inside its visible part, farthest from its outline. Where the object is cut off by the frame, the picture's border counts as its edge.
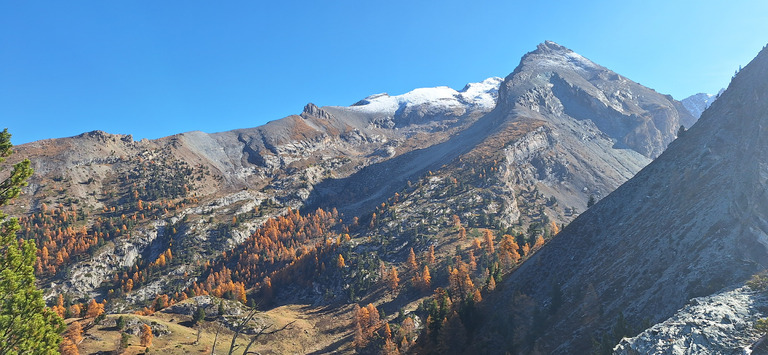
(480, 95)
(696, 104)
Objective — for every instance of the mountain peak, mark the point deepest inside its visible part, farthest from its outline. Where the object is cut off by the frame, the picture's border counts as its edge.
(554, 81)
(551, 56)
(551, 47)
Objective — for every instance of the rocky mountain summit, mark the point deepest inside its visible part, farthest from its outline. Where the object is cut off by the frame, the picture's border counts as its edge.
(688, 225)
(556, 82)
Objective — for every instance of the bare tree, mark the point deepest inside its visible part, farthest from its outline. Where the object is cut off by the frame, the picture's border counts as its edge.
(215, 338)
(262, 331)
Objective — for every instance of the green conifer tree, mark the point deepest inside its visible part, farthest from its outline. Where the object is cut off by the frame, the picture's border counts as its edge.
(27, 326)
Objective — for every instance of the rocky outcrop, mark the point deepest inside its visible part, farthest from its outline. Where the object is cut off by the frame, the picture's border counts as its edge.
(717, 324)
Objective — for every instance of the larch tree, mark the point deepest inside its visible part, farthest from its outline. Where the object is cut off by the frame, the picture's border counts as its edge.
(431, 255)
(456, 221)
(390, 348)
(75, 332)
(426, 280)
(411, 262)
(27, 326)
(394, 279)
(75, 310)
(95, 309)
(146, 336)
(68, 347)
(489, 248)
(361, 319)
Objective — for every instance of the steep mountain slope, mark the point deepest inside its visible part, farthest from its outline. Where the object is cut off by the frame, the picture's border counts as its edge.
(689, 224)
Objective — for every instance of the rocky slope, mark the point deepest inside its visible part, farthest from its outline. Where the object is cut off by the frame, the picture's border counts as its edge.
(717, 324)
(688, 225)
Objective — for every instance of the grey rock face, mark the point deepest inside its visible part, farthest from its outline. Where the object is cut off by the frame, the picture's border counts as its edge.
(717, 324)
(555, 81)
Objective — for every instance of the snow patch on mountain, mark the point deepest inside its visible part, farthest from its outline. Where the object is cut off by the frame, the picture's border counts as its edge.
(480, 96)
(696, 104)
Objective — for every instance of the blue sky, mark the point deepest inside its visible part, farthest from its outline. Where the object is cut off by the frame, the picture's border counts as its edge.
(156, 68)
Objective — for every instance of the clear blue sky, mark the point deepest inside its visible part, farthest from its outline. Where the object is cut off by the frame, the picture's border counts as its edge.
(156, 68)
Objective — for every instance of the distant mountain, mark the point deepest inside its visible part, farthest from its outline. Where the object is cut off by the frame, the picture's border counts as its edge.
(690, 224)
(312, 207)
(696, 104)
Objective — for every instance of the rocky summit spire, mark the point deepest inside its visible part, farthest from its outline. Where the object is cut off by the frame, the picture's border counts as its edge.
(551, 48)
(311, 110)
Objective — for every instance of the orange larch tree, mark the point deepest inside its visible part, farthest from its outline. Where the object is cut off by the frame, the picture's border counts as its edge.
(146, 336)
(394, 280)
(411, 262)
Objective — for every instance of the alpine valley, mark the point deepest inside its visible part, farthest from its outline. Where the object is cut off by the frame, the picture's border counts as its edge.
(427, 222)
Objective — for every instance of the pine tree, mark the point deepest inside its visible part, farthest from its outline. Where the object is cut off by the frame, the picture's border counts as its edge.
(26, 324)
(591, 202)
(199, 315)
